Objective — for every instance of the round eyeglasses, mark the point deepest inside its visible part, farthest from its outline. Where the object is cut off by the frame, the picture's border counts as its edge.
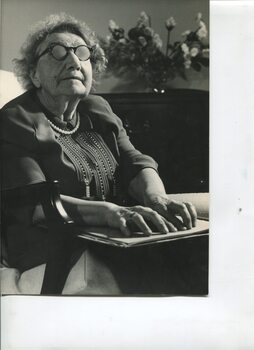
(60, 52)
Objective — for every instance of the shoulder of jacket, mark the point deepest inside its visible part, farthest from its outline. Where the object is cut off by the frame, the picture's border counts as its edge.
(97, 106)
(100, 113)
(19, 100)
(21, 110)
(94, 101)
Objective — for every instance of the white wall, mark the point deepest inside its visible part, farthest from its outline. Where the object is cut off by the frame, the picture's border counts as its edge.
(19, 15)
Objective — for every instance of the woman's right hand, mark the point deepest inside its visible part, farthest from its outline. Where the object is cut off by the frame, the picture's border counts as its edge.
(124, 218)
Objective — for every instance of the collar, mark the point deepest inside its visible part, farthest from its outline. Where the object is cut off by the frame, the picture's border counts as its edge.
(85, 120)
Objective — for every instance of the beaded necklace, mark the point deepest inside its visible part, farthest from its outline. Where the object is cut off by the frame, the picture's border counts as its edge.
(62, 131)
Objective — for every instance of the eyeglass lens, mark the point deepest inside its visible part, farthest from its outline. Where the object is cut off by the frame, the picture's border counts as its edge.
(60, 52)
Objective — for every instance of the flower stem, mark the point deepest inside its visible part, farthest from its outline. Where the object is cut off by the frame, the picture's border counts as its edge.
(168, 40)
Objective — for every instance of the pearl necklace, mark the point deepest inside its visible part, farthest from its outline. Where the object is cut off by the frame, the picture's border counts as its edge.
(65, 132)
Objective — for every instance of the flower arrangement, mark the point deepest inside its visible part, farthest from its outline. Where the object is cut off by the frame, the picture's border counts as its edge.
(141, 51)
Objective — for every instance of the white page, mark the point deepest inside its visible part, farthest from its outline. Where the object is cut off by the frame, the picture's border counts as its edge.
(109, 236)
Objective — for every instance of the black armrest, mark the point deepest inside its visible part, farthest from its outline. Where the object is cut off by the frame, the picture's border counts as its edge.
(59, 226)
(46, 193)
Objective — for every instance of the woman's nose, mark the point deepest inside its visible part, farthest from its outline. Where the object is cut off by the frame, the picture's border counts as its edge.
(72, 61)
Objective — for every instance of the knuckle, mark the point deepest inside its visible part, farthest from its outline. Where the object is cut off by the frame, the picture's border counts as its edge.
(119, 214)
(155, 213)
(189, 204)
(136, 216)
(139, 207)
(182, 206)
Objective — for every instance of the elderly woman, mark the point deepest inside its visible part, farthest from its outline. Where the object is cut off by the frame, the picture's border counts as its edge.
(56, 130)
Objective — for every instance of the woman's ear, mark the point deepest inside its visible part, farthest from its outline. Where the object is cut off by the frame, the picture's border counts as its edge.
(35, 78)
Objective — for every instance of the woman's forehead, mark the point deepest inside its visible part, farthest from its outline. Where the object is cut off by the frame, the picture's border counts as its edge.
(65, 38)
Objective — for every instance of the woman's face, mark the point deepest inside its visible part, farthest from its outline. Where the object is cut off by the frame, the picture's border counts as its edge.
(70, 77)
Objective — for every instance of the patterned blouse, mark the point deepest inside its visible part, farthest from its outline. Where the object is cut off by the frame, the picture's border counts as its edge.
(94, 163)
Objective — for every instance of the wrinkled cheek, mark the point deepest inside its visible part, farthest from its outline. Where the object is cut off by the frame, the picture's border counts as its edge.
(52, 88)
(88, 84)
(55, 83)
(88, 75)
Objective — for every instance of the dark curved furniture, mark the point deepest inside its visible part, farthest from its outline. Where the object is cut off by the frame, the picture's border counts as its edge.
(58, 223)
(174, 129)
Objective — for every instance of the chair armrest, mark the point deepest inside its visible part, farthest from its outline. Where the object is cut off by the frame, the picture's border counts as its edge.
(58, 223)
(45, 193)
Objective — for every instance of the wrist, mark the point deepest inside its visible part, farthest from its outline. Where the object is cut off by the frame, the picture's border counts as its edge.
(153, 198)
(97, 213)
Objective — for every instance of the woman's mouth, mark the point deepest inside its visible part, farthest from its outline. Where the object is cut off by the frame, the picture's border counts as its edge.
(73, 78)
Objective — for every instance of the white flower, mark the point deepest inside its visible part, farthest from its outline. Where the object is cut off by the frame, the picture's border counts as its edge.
(157, 41)
(122, 41)
(199, 17)
(144, 16)
(185, 49)
(149, 31)
(187, 64)
(112, 25)
(187, 32)
(143, 19)
(194, 52)
(202, 31)
(170, 23)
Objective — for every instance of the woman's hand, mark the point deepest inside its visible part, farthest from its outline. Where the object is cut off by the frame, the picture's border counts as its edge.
(182, 215)
(160, 214)
(125, 218)
(147, 188)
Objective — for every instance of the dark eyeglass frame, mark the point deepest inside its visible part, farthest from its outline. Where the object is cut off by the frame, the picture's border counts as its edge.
(67, 49)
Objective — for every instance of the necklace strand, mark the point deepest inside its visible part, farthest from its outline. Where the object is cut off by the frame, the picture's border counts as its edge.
(65, 132)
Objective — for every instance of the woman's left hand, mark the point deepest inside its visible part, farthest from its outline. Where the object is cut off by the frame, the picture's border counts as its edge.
(182, 215)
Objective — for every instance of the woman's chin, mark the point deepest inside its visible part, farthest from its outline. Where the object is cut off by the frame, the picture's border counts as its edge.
(81, 92)
(77, 88)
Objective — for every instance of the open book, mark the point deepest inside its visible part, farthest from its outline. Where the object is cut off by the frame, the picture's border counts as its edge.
(114, 237)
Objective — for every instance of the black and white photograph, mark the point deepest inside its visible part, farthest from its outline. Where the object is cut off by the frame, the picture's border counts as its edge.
(105, 148)
(127, 174)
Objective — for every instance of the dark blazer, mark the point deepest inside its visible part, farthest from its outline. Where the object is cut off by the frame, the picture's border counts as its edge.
(30, 154)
